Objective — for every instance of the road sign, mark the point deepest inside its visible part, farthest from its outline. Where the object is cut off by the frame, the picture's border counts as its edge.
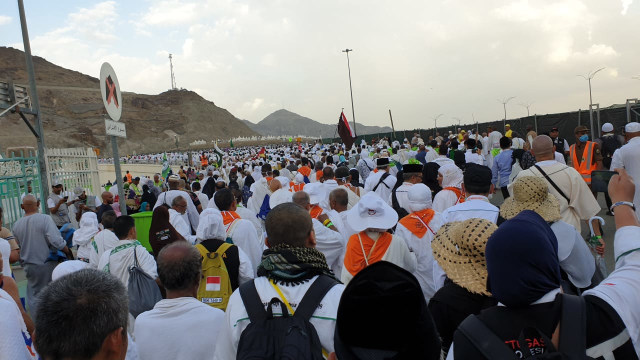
(115, 128)
(110, 90)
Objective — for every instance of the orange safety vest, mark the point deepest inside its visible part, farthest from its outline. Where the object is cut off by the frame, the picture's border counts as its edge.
(129, 177)
(585, 167)
(203, 161)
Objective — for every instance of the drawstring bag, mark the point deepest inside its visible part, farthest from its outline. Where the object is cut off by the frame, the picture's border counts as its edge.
(143, 290)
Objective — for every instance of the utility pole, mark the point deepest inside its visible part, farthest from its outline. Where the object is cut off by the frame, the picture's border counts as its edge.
(35, 103)
(588, 77)
(353, 112)
(173, 77)
(504, 104)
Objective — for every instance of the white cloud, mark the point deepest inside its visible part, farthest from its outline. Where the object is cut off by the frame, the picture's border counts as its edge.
(254, 104)
(602, 50)
(625, 6)
(520, 11)
(5, 19)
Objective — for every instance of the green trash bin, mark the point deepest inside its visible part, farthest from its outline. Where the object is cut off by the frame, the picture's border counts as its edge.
(143, 224)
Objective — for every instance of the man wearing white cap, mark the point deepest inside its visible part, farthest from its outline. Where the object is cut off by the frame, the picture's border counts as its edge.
(627, 157)
(609, 142)
(381, 182)
(418, 229)
(373, 217)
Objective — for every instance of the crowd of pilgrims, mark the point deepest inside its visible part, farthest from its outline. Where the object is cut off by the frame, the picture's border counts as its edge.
(389, 250)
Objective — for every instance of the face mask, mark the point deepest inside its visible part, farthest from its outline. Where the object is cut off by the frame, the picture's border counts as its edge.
(584, 138)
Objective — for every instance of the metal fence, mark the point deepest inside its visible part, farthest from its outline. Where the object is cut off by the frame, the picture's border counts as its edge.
(618, 115)
(15, 175)
(75, 167)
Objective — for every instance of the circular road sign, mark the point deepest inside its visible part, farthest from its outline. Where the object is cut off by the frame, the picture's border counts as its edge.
(110, 90)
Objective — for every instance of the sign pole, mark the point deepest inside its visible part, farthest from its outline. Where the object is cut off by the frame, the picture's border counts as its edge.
(116, 165)
(44, 181)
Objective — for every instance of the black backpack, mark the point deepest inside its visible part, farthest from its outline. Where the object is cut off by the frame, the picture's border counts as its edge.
(286, 337)
(396, 205)
(573, 335)
(609, 145)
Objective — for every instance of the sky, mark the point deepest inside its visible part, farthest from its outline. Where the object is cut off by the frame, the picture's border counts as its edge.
(419, 59)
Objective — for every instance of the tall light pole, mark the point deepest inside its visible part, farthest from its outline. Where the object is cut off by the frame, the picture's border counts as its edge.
(504, 105)
(588, 77)
(353, 112)
(435, 122)
(526, 105)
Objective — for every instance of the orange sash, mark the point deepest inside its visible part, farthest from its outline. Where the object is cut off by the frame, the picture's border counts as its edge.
(296, 187)
(355, 259)
(305, 171)
(415, 222)
(229, 216)
(319, 175)
(458, 192)
(315, 211)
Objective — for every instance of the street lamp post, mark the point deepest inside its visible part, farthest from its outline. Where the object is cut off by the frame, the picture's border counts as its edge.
(435, 123)
(353, 112)
(504, 105)
(527, 106)
(588, 77)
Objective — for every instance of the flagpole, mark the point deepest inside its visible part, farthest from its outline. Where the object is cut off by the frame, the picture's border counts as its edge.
(353, 113)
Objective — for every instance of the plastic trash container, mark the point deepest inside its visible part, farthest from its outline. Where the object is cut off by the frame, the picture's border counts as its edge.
(143, 224)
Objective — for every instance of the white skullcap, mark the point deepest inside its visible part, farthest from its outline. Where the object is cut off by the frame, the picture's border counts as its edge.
(607, 127)
(68, 267)
(632, 127)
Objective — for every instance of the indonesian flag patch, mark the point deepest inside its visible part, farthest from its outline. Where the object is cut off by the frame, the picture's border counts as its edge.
(213, 283)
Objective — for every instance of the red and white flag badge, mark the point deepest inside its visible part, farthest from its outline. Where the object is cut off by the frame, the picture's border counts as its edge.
(213, 283)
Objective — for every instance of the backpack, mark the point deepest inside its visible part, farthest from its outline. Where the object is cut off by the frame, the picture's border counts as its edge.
(571, 346)
(286, 337)
(246, 194)
(396, 205)
(215, 286)
(609, 145)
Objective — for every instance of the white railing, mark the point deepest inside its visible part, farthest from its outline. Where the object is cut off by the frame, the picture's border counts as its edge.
(74, 167)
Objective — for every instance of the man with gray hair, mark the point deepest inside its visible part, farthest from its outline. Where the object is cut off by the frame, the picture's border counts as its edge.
(190, 215)
(162, 332)
(84, 316)
(39, 241)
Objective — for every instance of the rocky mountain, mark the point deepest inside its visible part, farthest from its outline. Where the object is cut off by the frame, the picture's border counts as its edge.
(284, 122)
(73, 114)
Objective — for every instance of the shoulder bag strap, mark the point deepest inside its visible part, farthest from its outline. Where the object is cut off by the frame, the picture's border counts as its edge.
(366, 258)
(135, 256)
(252, 302)
(203, 250)
(552, 183)
(381, 181)
(573, 336)
(314, 296)
(223, 248)
(485, 340)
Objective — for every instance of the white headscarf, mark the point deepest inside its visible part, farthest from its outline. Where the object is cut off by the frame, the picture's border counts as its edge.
(451, 176)
(88, 228)
(211, 225)
(419, 196)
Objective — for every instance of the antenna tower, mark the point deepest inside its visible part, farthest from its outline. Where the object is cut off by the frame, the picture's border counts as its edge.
(173, 77)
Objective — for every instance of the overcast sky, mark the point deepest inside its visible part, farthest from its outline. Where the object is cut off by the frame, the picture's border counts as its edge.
(417, 58)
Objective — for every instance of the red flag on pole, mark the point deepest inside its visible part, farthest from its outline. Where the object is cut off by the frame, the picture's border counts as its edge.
(345, 131)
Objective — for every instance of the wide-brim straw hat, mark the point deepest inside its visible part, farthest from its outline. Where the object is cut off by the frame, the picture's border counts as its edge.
(459, 248)
(531, 193)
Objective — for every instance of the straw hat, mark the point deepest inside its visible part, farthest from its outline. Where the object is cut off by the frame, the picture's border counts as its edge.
(531, 193)
(459, 247)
